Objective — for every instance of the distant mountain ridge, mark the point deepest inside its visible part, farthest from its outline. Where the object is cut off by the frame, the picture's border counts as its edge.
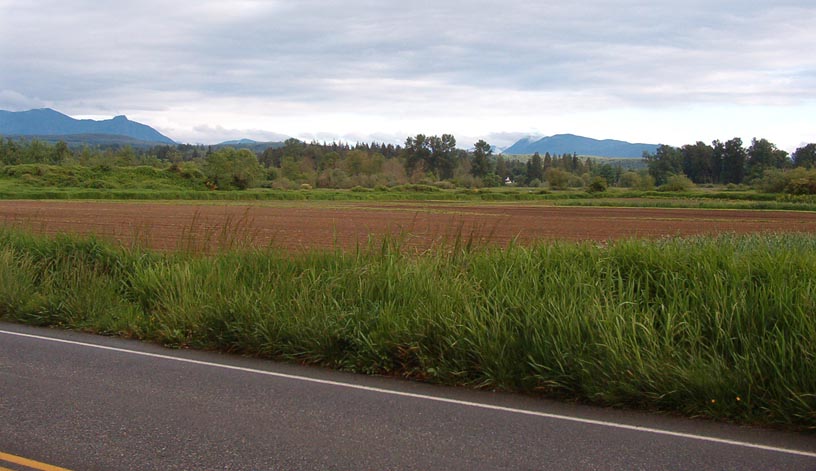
(48, 122)
(570, 143)
(254, 146)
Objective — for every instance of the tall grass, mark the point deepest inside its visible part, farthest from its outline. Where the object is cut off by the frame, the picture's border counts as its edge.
(720, 327)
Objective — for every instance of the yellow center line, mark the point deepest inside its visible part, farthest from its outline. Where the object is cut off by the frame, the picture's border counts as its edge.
(29, 463)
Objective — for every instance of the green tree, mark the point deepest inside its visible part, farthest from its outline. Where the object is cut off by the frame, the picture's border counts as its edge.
(666, 161)
(805, 156)
(35, 152)
(294, 148)
(229, 168)
(501, 168)
(61, 153)
(480, 163)
(9, 152)
(557, 178)
(700, 163)
(535, 168)
(417, 154)
(630, 179)
(733, 161)
(763, 155)
(610, 174)
(597, 185)
(443, 155)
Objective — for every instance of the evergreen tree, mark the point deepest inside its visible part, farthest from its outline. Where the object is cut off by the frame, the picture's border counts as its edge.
(535, 169)
(480, 163)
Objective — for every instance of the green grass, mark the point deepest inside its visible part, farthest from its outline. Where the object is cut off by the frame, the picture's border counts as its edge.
(720, 327)
(73, 182)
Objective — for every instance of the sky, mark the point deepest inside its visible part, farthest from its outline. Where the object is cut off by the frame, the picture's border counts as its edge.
(670, 72)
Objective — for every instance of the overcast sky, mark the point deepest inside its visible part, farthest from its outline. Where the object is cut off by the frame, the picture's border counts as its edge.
(653, 71)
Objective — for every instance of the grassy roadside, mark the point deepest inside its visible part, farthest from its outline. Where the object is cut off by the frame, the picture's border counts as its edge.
(719, 327)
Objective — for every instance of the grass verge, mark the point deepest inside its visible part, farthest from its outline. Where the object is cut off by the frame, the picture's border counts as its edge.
(721, 327)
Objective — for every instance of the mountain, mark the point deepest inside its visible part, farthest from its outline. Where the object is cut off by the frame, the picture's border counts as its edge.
(94, 140)
(238, 142)
(254, 146)
(570, 143)
(47, 122)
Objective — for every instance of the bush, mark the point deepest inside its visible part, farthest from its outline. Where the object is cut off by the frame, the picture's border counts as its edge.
(557, 178)
(284, 183)
(647, 182)
(468, 181)
(575, 181)
(445, 185)
(491, 180)
(630, 180)
(416, 188)
(798, 181)
(597, 185)
(677, 182)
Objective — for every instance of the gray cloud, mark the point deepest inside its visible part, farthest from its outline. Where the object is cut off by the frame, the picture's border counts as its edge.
(403, 58)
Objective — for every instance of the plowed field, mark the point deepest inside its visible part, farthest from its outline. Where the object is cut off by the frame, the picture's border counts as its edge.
(298, 226)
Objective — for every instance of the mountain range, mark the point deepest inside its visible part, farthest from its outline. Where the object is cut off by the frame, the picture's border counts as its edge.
(50, 125)
(46, 122)
(570, 143)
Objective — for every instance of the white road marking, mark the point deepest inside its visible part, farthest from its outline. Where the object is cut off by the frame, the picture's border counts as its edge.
(430, 398)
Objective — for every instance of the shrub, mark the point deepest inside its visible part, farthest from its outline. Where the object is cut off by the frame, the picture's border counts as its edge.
(772, 181)
(445, 185)
(416, 188)
(647, 182)
(597, 185)
(284, 183)
(630, 180)
(575, 181)
(468, 181)
(557, 178)
(798, 181)
(491, 180)
(678, 182)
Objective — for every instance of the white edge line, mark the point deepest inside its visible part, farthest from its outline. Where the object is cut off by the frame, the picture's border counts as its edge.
(429, 398)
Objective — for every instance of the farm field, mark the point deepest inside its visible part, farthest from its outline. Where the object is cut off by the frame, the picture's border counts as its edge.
(717, 326)
(316, 225)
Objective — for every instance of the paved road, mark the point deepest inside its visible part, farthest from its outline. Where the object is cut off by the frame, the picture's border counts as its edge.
(131, 406)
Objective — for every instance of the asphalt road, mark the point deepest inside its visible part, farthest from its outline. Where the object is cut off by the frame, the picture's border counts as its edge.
(85, 402)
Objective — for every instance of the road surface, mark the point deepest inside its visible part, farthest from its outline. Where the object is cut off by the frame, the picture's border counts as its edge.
(84, 402)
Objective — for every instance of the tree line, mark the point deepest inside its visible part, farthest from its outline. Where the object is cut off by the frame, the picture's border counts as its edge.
(426, 159)
(728, 162)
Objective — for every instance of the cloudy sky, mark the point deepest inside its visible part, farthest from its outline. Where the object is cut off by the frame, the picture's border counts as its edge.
(672, 71)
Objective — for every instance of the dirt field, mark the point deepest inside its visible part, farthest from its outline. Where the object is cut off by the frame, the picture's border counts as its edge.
(297, 226)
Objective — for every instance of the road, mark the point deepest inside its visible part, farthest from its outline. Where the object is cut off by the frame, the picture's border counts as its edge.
(86, 402)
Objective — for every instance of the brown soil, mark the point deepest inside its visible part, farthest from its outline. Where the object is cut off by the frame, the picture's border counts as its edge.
(297, 226)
